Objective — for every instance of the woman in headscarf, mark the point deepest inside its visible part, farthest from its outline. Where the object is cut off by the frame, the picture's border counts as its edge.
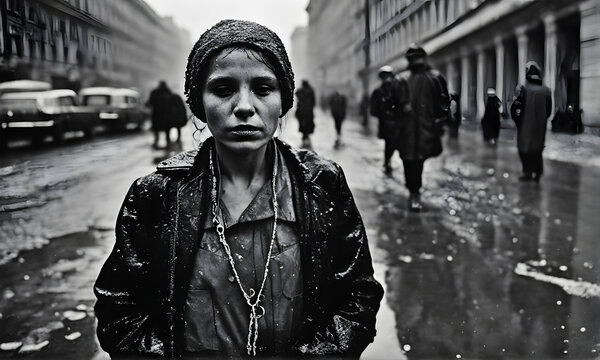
(244, 246)
(490, 123)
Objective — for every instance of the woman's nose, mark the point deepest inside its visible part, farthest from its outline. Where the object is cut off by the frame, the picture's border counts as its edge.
(244, 107)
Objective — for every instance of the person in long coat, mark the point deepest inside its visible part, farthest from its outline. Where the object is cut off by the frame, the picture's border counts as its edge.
(160, 101)
(244, 246)
(455, 118)
(386, 106)
(531, 128)
(422, 120)
(179, 116)
(305, 111)
(490, 122)
(337, 105)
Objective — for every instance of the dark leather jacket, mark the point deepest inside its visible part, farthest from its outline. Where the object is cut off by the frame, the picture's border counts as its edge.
(141, 287)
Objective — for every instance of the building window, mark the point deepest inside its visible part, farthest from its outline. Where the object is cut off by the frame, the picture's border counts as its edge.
(74, 32)
(12, 5)
(31, 16)
(32, 49)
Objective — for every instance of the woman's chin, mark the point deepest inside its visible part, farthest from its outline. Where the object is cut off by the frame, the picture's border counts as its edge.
(243, 146)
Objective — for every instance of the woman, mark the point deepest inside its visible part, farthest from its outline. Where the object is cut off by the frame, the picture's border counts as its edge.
(490, 123)
(244, 246)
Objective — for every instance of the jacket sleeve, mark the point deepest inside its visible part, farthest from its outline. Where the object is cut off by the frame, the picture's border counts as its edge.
(352, 324)
(125, 325)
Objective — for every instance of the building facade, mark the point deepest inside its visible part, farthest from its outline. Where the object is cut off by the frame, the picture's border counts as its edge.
(480, 44)
(79, 43)
(336, 34)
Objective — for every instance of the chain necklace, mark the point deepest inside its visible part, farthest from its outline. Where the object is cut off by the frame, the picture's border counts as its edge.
(252, 298)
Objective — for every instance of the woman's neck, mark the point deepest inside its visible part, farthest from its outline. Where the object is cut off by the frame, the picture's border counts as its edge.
(243, 169)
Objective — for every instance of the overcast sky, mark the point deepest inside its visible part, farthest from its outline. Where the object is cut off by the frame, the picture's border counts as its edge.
(281, 16)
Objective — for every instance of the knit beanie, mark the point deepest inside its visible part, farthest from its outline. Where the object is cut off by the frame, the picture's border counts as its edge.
(227, 33)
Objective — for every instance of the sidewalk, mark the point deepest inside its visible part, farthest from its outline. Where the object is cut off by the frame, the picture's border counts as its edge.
(580, 149)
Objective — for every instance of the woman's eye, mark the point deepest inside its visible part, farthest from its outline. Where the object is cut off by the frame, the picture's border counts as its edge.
(222, 90)
(263, 90)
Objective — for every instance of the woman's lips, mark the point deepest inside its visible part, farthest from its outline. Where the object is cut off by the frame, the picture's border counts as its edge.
(244, 130)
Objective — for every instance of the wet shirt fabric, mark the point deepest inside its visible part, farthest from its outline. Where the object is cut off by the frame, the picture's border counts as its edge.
(216, 313)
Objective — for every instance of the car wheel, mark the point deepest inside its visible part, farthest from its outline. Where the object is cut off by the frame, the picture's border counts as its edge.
(58, 134)
(37, 140)
(88, 132)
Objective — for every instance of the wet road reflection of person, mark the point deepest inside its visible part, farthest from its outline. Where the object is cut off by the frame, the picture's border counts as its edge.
(464, 295)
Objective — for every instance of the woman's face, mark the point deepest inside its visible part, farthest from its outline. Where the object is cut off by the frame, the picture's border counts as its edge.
(242, 100)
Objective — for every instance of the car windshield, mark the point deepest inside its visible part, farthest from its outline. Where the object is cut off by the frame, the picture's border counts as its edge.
(96, 100)
(18, 104)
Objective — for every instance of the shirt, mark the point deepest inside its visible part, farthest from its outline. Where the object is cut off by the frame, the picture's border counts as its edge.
(216, 313)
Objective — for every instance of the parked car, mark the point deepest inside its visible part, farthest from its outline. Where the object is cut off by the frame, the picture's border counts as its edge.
(118, 108)
(37, 114)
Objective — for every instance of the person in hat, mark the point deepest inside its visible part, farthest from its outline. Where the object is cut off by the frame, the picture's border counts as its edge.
(423, 118)
(536, 100)
(244, 246)
(490, 122)
(385, 105)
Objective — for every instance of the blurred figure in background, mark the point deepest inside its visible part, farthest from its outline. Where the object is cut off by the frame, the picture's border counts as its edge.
(337, 105)
(455, 118)
(304, 112)
(160, 102)
(179, 117)
(385, 106)
(536, 102)
(490, 123)
(424, 114)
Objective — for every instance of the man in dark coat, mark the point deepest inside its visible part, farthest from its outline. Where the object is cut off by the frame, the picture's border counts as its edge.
(160, 101)
(337, 105)
(304, 111)
(386, 107)
(490, 123)
(422, 119)
(531, 128)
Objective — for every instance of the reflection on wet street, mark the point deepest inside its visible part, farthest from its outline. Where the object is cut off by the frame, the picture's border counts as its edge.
(493, 268)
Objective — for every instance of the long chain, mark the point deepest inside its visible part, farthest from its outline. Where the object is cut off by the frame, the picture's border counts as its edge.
(256, 311)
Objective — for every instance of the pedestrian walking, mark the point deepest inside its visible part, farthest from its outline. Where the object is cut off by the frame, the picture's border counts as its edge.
(244, 246)
(455, 118)
(179, 117)
(531, 109)
(490, 122)
(337, 104)
(386, 106)
(305, 111)
(422, 120)
(160, 102)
